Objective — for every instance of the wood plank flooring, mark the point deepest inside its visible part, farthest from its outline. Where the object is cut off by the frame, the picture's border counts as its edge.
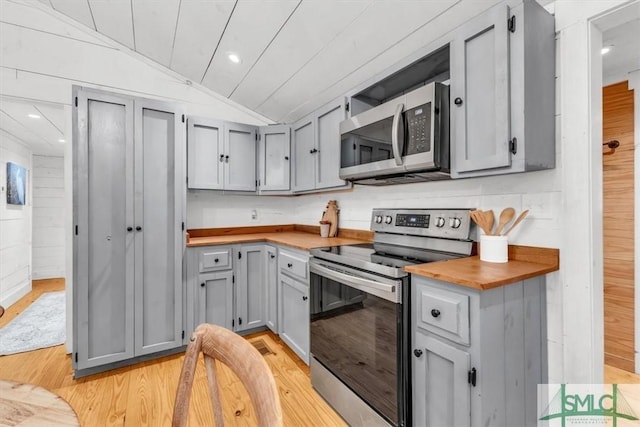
(143, 394)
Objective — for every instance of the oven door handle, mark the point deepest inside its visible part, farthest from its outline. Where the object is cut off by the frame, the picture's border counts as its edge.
(382, 290)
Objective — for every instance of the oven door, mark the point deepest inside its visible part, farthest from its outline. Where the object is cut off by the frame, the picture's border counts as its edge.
(357, 333)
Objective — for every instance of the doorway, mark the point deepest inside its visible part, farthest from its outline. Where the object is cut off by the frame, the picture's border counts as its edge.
(620, 58)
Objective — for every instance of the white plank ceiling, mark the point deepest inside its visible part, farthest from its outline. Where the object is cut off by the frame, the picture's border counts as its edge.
(295, 55)
(291, 51)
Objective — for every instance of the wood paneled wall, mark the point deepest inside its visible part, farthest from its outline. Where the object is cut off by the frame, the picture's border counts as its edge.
(618, 224)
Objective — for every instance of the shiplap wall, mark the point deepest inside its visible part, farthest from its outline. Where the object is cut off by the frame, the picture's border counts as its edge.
(15, 226)
(48, 217)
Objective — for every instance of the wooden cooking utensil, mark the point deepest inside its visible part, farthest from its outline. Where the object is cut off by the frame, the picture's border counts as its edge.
(506, 216)
(478, 217)
(520, 218)
(489, 219)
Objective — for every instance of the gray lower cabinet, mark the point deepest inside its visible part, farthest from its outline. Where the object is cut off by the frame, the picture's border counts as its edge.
(293, 301)
(294, 315)
(251, 289)
(271, 278)
(477, 356)
(503, 92)
(226, 286)
(215, 299)
(128, 216)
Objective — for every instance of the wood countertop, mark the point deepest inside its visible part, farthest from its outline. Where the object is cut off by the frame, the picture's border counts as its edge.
(296, 236)
(525, 262)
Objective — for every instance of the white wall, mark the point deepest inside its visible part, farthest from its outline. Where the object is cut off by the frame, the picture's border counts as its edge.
(48, 217)
(15, 226)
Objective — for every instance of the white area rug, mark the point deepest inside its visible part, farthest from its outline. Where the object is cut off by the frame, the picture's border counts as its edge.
(41, 325)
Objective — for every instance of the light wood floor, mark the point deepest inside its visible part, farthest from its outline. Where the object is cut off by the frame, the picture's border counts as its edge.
(143, 394)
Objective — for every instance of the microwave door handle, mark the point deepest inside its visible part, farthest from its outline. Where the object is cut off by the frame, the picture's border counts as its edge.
(397, 135)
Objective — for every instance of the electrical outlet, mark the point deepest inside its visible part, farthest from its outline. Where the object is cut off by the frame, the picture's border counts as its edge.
(254, 214)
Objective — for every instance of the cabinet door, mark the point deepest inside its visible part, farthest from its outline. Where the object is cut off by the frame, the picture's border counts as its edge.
(205, 156)
(303, 134)
(239, 157)
(271, 276)
(480, 93)
(159, 186)
(294, 315)
(103, 249)
(215, 299)
(441, 393)
(251, 297)
(275, 164)
(328, 144)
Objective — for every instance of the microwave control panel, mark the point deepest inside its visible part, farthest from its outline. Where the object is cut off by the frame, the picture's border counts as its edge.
(418, 121)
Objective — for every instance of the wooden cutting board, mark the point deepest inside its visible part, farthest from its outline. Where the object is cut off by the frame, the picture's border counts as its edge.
(331, 215)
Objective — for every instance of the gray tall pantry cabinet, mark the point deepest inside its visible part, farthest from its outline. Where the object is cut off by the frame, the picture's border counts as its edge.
(129, 209)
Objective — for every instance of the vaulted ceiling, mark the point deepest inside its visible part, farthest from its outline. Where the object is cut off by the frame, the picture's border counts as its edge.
(290, 50)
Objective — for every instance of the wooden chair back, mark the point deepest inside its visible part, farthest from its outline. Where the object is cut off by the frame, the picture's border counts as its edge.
(220, 344)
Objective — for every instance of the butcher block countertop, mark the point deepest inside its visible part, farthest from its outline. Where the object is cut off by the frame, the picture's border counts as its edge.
(303, 237)
(525, 262)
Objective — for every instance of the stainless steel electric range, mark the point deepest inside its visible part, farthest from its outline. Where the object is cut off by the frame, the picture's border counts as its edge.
(360, 311)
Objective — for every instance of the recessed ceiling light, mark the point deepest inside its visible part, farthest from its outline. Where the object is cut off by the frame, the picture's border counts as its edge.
(233, 58)
(606, 49)
(61, 140)
(33, 116)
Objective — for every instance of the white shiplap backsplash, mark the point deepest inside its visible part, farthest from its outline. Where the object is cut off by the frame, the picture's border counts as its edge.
(48, 217)
(15, 226)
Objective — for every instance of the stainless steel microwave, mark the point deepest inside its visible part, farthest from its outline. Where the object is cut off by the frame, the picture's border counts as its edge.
(405, 137)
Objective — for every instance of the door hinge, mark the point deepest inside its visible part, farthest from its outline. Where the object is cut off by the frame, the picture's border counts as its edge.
(511, 24)
(187, 179)
(233, 279)
(239, 320)
(256, 182)
(183, 118)
(76, 230)
(471, 377)
(182, 225)
(76, 106)
(76, 357)
(239, 255)
(233, 322)
(182, 334)
(513, 145)
(346, 106)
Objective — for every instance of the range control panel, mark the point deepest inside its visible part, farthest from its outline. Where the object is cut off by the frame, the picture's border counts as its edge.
(445, 223)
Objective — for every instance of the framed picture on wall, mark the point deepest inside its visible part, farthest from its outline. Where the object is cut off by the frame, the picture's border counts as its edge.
(16, 184)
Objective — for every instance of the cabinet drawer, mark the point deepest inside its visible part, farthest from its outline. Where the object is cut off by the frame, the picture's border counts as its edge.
(444, 313)
(214, 259)
(293, 265)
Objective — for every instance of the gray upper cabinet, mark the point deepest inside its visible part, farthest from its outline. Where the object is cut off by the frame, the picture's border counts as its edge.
(205, 153)
(240, 157)
(128, 242)
(316, 149)
(221, 155)
(274, 159)
(503, 92)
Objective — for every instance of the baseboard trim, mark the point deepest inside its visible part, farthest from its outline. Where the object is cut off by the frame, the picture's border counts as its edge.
(13, 295)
